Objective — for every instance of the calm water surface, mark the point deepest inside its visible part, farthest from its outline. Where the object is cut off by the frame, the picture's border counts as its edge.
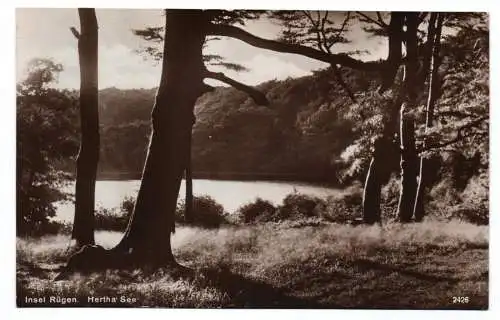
(231, 194)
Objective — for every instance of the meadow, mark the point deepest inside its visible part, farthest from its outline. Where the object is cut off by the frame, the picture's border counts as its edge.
(429, 265)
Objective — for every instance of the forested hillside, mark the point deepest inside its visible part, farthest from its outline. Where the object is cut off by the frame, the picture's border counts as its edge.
(304, 127)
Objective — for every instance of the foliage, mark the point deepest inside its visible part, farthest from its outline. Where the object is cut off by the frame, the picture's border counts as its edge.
(344, 207)
(463, 108)
(318, 29)
(46, 123)
(298, 206)
(259, 210)
(207, 213)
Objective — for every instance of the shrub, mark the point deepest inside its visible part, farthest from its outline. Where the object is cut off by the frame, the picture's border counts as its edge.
(344, 206)
(115, 219)
(207, 213)
(109, 219)
(296, 206)
(259, 210)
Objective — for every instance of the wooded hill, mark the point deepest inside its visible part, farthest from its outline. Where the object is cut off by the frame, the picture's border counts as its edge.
(300, 135)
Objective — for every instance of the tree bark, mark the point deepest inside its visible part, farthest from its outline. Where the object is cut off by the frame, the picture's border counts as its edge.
(377, 173)
(189, 186)
(88, 156)
(373, 186)
(408, 161)
(419, 210)
(408, 167)
(147, 237)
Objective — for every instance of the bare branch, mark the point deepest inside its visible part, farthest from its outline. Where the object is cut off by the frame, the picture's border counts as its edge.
(255, 94)
(379, 22)
(339, 33)
(341, 59)
(325, 39)
(316, 29)
(75, 32)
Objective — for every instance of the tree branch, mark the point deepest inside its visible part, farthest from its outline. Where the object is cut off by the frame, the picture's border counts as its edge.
(381, 20)
(459, 136)
(341, 59)
(316, 29)
(255, 94)
(75, 32)
(377, 22)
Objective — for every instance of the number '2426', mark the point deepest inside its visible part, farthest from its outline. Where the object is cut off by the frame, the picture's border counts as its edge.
(460, 299)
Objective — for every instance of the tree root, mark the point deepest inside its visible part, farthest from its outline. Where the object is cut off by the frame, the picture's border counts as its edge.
(94, 258)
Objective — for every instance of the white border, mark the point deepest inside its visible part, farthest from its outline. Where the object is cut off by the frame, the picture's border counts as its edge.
(7, 161)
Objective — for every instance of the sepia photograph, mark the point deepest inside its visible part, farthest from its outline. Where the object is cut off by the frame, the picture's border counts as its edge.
(269, 159)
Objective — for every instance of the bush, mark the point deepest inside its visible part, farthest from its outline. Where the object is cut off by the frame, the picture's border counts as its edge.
(259, 210)
(345, 206)
(115, 219)
(296, 206)
(207, 213)
(109, 219)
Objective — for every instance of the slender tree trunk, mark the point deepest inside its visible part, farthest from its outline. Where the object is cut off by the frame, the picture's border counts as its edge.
(377, 173)
(189, 185)
(419, 210)
(88, 156)
(147, 237)
(407, 125)
(373, 188)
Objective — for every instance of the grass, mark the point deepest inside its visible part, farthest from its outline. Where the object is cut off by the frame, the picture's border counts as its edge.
(284, 265)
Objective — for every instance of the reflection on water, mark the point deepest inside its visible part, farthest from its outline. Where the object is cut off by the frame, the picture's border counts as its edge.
(231, 194)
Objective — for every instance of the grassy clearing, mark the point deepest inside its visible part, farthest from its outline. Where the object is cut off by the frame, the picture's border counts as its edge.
(279, 265)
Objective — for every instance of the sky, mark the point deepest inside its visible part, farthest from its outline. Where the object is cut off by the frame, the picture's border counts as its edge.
(45, 33)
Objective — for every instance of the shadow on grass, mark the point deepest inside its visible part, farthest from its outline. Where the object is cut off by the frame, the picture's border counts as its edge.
(370, 264)
(250, 293)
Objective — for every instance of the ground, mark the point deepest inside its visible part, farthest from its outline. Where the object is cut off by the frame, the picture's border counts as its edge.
(436, 265)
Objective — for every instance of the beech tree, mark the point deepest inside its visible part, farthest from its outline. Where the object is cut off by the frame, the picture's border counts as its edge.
(432, 63)
(155, 38)
(88, 156)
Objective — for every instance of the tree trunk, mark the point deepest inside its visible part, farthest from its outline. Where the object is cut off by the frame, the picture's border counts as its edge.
(408, 167)
(377, 173)
(408, 161)
(373, 187)
(147, 237)
(419, 210)
(189, 185)
(88, 156)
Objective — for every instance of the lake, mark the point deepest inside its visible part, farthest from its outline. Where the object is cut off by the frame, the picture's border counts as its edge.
(231, 194)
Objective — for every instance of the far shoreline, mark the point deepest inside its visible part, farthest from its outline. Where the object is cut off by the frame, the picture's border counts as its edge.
(236, 176)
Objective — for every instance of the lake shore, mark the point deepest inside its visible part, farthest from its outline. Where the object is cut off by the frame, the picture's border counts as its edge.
(315, 179)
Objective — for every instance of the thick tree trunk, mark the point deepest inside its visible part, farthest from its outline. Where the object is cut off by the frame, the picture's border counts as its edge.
(147, 238)
(419, 210)
(88, 156)
(189, 186)
(407, 125)
(409, 167)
